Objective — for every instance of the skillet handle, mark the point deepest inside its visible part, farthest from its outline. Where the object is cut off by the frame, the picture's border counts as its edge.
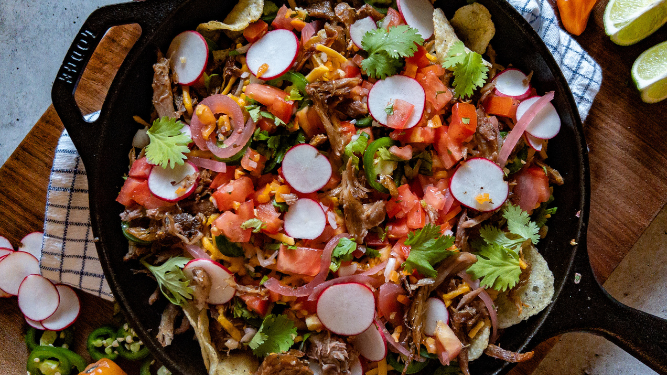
(586, 306)
(148, 14)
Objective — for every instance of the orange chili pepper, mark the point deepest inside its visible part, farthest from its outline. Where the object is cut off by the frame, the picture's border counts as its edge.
(574, 14)
(103, 367)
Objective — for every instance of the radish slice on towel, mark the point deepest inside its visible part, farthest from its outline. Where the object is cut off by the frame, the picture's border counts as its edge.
(371, 344)
(346, 309)
(4, 243)
(360, 28)
(306, 169)
(14, 268)
(5, 251)
(479, 184)
(188, 55)
(418, 14)
(545, 124)
(38, 297)
(435, 311)
(385, 91)
(277, 49)
(220, 276)
(305, 219)
(32, 244)
(513, 83)
(173, 184)
(34, 324)
(67, 312)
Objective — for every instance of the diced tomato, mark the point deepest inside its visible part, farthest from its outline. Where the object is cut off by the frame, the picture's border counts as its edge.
(532, 188)
(416, 187)
(501, 106)
(417, 134)
(357, 59)
(400, 115)
(463, 123)
(229, 224)
(449, 151)
(401, 249)
(388, 305)
(142, 195)
(305, 304)
(351, 69)
(347, 130)
(419, 58)
(255, 303)
(434, 197)
(268, 214)
(410, 70)
(435, 68)
(437, 93)
(233, 191)
(266, 124)
(398, 228)
(416, 217)
(255, 31)
(222, 178)
(301, 261)
(125, 195)
(282, 20)
(253, 162)
(400, 205)
(141, 168)
(393, 18)
(404, 152)
(246, 210)
(273, 99)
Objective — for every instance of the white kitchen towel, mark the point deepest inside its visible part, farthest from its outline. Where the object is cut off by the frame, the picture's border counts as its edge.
(68, 251)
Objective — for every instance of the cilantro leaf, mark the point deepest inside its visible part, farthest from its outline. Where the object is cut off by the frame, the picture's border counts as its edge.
(543, 213)
(294, 94)
(468, 67)
(357, 147)
(276, 335)
(167, 144)
(342, 253)
(255, 224)
(389, 110)
(428, 248)
(253, 111)
(171, 279)
(270, 116)
(493, 235)
(498, 268)
(385, 48)
(239, 310)
(372, 253)
(518, 223)
(281, 206)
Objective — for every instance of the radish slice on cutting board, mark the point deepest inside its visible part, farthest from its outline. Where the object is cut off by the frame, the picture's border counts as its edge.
(346, 309)
(371, 344)
(67, 312)
(32, 244)
(4, 243)
(479, 184)
(513, 83)
(14, 268)
(277, 49)
(305, 219)
(535, 143)
(384, 92)
(173, 184)
(188, 56)
(306, 169)
(220, 276)
(546, 123)
(418, 14)
(360, 28)
(38, 297)
(435, 311)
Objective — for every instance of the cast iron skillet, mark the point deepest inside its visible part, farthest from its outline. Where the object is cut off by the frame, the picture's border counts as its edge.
(104, 144)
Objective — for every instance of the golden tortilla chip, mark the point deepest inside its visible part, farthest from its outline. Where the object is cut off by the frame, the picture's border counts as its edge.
(474, 25)
(535, 294)
(445, 36)
(479, 342)
(243, 14)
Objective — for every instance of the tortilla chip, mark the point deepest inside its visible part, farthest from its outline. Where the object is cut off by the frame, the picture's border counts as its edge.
(445, 36)
(474, 25)
(479, 342)
(238, 363)
(243, 14)
(536, 293)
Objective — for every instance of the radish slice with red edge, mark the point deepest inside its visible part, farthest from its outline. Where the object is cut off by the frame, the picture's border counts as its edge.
(371, 344)
(14, 268)
(435, 311)
(34, 324)
(513, 83)
(188, 56)
(4, 243)
(418, 14)
(277, 49)
(546, 123)
(38, 297)
(32, 244)
(474, 179)
(4, 252)
(535, 143)
(360, 28)
(356, 368)
(385, 91)
(173, 184)
(67, 312)
(305, 219)
(346, 309)
(221, 278)
(306, 169)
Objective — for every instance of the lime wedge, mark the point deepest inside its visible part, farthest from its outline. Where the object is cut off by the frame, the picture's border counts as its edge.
(649, 72)
(629, 21)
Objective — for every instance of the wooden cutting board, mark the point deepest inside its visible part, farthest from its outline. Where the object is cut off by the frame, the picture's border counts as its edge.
(625, 137)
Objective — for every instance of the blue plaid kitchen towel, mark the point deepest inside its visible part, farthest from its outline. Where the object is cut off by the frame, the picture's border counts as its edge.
(68, 250)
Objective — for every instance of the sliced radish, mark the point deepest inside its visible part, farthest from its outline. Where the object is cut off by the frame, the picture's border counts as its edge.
(67, 312)
(385, 91)
(513, 83)
(346, 309)
(535, 143)
(188, 55)
(474, 179)
(277, 49)
(173, 184)
(371, 344)
(546, 123)
(418, 14)
(14, 268)
(306, 169)
(305, 219)
(4, 243)
(34, 324)
(32, 244)
(222, 280)
(360, 28)
(356, 368)
(5, 251)
(435, 311)
(38, 297)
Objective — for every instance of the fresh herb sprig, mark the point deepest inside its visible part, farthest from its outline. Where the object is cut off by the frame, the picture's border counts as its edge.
(171, 279)
(428, 247)
(276, 335)
(386, 48)
(168, 144)
(468, 67)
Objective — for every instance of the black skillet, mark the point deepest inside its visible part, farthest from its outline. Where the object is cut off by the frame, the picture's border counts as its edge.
(103, 145)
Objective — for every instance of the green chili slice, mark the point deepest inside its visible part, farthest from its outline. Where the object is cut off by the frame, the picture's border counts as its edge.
(234, 159)
(35, 338)
(131, 347)
(369, 162)
(146, 367)
(102, 343)
(49, 360)
(364, 122)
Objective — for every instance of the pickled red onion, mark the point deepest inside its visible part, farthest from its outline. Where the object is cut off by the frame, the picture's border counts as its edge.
(197, 252)
(373, 270)
(488, 302)
(390, 339)
(214, 165)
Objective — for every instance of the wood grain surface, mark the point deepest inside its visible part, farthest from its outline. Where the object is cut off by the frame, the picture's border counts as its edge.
(625, 137)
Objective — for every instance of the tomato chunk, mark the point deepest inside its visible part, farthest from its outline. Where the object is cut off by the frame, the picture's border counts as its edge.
(273, 99)
(222, 178)
(416, 217)
(417, 134)
(400, 114)
(419, 58)
(449, 150)
(400, 205)
(255, 303)
(141, 168)
(300, 261)
(125, 195)
(532, 188)
(233, 191)
(463, 123)
(282, 20)
(434, 197)
(398, 228)
(142, 195)
(253, 162)
(393, 18)
(437, 93)
(229, 224)
(255, 31)
(268, 214)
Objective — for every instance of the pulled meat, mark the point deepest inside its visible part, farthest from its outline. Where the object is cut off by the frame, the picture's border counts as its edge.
(368, 11)
(284, 364)
(465, 224)
(331, 353)
(322, 10)
(336, 88)
(487, 137)
(506, 355)
(335, 139)
(352, 108)
(346, 14)
(359, 218)
(163, 99)
(185, 226)
(201, 287)
(231, 70)
(166, 329)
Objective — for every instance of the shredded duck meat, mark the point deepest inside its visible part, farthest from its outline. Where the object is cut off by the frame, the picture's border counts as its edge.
(166, 329)
(331, 353)
(289, 363)
(359, 217)
(497, 352)
(201, 287)
(163, 99)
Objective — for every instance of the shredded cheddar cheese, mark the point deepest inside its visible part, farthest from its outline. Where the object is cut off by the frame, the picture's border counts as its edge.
(473, 332)
(463, 288)
(141, 121)
(382, 367)
(331, 53)
(187, 101)
(228, 326)
(282, 238)
(316, 73)
(483, 198)
(228, 88)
